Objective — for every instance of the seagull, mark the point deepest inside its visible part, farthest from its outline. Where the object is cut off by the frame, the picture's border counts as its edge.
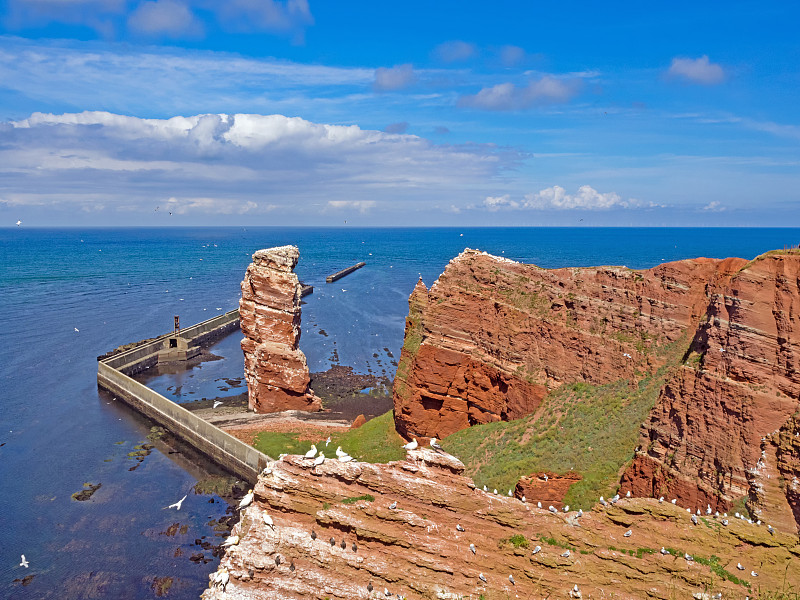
(603, 502)
(664, 550)
(320, 459)
(538, 505)
(345, 458)
(694, 519)
(537, 549)
(386, 592)
(628, 494)
(485, 489)
(328, 441)
(217, 403)
(270, 523)
(19, 222)
(628, 533)
(688, 557)
(566, 508)
(393, 505)
(753, 574)
(580, 512)
(674, 500)
(661, 499)
(459, 527)
(24, 562)
(495, 491)
(739, 566)
(436, 446)
(511, 579)
(523, 499)
(482, 578)
(76, 329)
(177, 505)
(340, 452)
(708, 509)
(472, 548)
(770, 529)
(565, 554)
(552, 509)
(412, 445)
(245, 502)
(312, 452)
(725, 522)
(231, 541)
(510, 494)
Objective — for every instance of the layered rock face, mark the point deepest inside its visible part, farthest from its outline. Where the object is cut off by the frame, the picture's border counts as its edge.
(492, 337)
(726, 426)
(275, 368)
(419, 529)
(548, 488)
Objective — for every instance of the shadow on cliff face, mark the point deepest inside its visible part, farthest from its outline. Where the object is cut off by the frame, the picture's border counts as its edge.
(346, 394)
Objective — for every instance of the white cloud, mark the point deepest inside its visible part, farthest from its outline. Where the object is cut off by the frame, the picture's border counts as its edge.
(713, 206)
(697, 70)
(494, 203)
(454, 51)
(230, 165)
(511, 55)
(587, 197)
(266, 15)
(400, 127)
(169, 18)
(507, 96)
(388, 79)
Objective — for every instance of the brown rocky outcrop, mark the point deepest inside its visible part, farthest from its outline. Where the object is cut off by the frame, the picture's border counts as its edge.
(275, 368)
(492, 337)
(548, 488)
(335, 534)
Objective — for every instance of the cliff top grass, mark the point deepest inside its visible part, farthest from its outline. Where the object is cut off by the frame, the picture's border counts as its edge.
(591, 429)
(375, 441)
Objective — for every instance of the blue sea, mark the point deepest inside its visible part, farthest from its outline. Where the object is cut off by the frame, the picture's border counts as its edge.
(69, 295)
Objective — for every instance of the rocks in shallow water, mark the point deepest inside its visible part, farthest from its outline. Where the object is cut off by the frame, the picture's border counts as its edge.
(87, 492)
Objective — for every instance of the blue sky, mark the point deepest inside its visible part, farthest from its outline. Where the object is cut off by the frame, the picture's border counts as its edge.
(192, 112)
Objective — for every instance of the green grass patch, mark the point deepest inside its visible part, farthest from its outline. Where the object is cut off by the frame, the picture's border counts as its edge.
(592, 429)
(376, 442)
(516, 540)
(354, 499)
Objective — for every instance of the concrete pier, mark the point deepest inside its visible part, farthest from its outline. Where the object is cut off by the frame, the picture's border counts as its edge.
(343, 272)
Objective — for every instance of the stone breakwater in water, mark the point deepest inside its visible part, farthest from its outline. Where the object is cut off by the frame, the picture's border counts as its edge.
(493, 337)
(275, 368)
(418, 528)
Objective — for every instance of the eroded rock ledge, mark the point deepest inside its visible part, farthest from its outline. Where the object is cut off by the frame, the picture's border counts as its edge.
(416, 550)
(275, 368)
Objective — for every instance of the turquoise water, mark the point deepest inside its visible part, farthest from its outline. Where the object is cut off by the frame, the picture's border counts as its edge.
(119, 285)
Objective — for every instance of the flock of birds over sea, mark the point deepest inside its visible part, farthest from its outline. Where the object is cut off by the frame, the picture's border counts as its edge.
(221, 577)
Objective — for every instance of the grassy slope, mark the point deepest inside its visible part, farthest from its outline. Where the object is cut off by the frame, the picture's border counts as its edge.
(592, 429)
(376, 441)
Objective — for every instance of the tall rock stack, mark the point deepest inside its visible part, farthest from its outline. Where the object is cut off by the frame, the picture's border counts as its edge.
(274, 367)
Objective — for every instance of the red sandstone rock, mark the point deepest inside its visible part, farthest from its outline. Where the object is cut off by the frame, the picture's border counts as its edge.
(359, 421)
(547, 488)
(492, 337)
(415, 549)
(275, 368)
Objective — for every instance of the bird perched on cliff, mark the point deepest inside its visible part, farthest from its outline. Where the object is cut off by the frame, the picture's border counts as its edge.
(661, 499)
(459, 527)
(628, 533)
(552, 509)
(313, 535)
(247, 500)
(565, 554)
(312, 452)
(472, 549)
(355, 548)
(340, 452)
(694, 520)
(319, 460)
(177, 505)
(436, 446)
(217, 403)
(664, 550)
(603, 501)
(688, 557)
(510, 494)
(495, 491)
(386, 592)
(725, 522)
(708, 509)
(328, 441)
(369, 587)
(739, 566)
(24, 562)
(523, 499)
(344, 545)
(566, 508)
(393, 505)
(220, 578)
(482, 578)
(485, 489)
(770, 529)
(628, 494)
(674, 500)
(278, 560)
(511, 579)
(580, 512)
(537, 550)
(291, 566)
(333, 541)
(270, 523)
(412, 445)
(231, 541)
(538, 505)
(345, 458)
(753, 574)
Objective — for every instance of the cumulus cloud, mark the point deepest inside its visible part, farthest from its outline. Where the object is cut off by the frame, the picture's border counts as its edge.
(511, 55)
(713, 206)
(494, 203)
(454, 51)
(168, 18)
(401, 127)
(507, 96)
(229, 164)
(696, 70)
(587, 198)
(263, 15)
(388, 79)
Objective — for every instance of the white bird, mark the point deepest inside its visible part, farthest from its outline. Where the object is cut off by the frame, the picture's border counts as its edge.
(177, 505)
(221, 578)
(694, 520)
(674, 500)
(436, 446)
(753, 574)
(538, 505)
(537, 549)
(739, 566)
(661, 499)
(412, 445)
(688, 557)
(495, 491)
(664, 550)
(19, 222)
(231, 541)
(482, 578)
(76, 329)
(268, 520)
(472, 548)
(312, 452)
(708, 509)
(217, 403)
(511, 579)
(510, 494)
(565, 554)
(459, 527)
(603, 502)
(770, 529)
(345, 458)
(24, 562)
(552, 508)
(485, 489)
(628, 494)
(628, 533)
(328, 441)
(339, 451)
(725, 522)
(566, 508)
(386, 592)
(523, 499)
(245, 502)
(580, 512)
(319, 460)
(393, 505)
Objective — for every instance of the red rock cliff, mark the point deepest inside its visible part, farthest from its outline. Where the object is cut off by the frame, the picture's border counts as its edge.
(275, 368)
(492, 337)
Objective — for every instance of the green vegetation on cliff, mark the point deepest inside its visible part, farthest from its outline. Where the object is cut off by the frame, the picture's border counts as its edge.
(591, 429)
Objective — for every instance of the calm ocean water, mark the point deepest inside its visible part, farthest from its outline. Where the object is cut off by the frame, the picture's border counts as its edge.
(120, 285)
